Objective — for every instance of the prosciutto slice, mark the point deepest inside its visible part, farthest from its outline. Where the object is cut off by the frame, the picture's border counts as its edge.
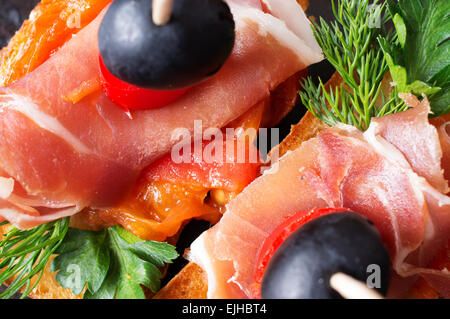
(393, 179)
(57, 157)
(442, 124)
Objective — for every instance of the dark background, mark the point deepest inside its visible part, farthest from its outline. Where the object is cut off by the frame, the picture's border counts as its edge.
(14, 12)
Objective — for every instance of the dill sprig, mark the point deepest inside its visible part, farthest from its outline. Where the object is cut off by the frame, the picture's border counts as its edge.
(25, 253)
(351, 45)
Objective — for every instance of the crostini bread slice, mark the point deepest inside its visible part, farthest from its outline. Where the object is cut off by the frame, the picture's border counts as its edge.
(191, 282)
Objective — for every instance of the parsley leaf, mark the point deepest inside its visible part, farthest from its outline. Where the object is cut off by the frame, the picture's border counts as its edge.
(420, 60)
(113, 263)
(83, 259)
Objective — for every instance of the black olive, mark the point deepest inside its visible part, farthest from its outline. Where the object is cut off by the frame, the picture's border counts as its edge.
(340, 242)
(191, 47)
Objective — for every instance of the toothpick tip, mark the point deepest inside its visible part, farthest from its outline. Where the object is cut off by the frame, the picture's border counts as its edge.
(161, 11)
(351, 288)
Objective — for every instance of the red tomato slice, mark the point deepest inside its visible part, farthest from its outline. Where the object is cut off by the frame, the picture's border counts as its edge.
(169, 194)
(130, 97)
(238, 166)
(279, 235)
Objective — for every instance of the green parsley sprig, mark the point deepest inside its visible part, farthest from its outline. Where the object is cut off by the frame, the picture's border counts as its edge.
(111, 263)
(350, 45)
(419, 61)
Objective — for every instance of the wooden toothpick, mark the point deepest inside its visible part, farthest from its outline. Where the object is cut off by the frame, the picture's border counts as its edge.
(161, 11)
(350, 288)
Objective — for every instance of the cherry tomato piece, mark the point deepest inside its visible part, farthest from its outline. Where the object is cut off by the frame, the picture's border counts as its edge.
(280, 234)
(130, 97)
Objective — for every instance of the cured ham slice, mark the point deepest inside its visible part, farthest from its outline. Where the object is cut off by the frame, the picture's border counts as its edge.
(442, 124)
(373, 173)
(64, 156)
(401, 132)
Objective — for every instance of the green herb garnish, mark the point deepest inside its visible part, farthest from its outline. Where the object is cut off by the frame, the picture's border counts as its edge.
(416, 54)
(350, 45)
(111, 263)
(420, 61)
(25, 253)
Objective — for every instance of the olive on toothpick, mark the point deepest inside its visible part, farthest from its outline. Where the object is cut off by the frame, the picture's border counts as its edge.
(304, 264)
(189, 42)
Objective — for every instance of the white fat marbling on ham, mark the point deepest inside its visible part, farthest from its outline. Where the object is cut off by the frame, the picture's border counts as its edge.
(17, 216)
(6, 187)
(442, 124)
(295, 18)
(201, 259)
(20, 103)
(306, 48)
(371, 173)
(444, 130)
(424, 153)
(64, 156)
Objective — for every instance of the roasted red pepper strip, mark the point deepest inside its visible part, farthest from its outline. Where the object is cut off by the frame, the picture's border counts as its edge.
(229, 172)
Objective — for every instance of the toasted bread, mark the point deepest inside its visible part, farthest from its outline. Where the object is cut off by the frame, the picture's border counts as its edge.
(308, 127)
(191, 282)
